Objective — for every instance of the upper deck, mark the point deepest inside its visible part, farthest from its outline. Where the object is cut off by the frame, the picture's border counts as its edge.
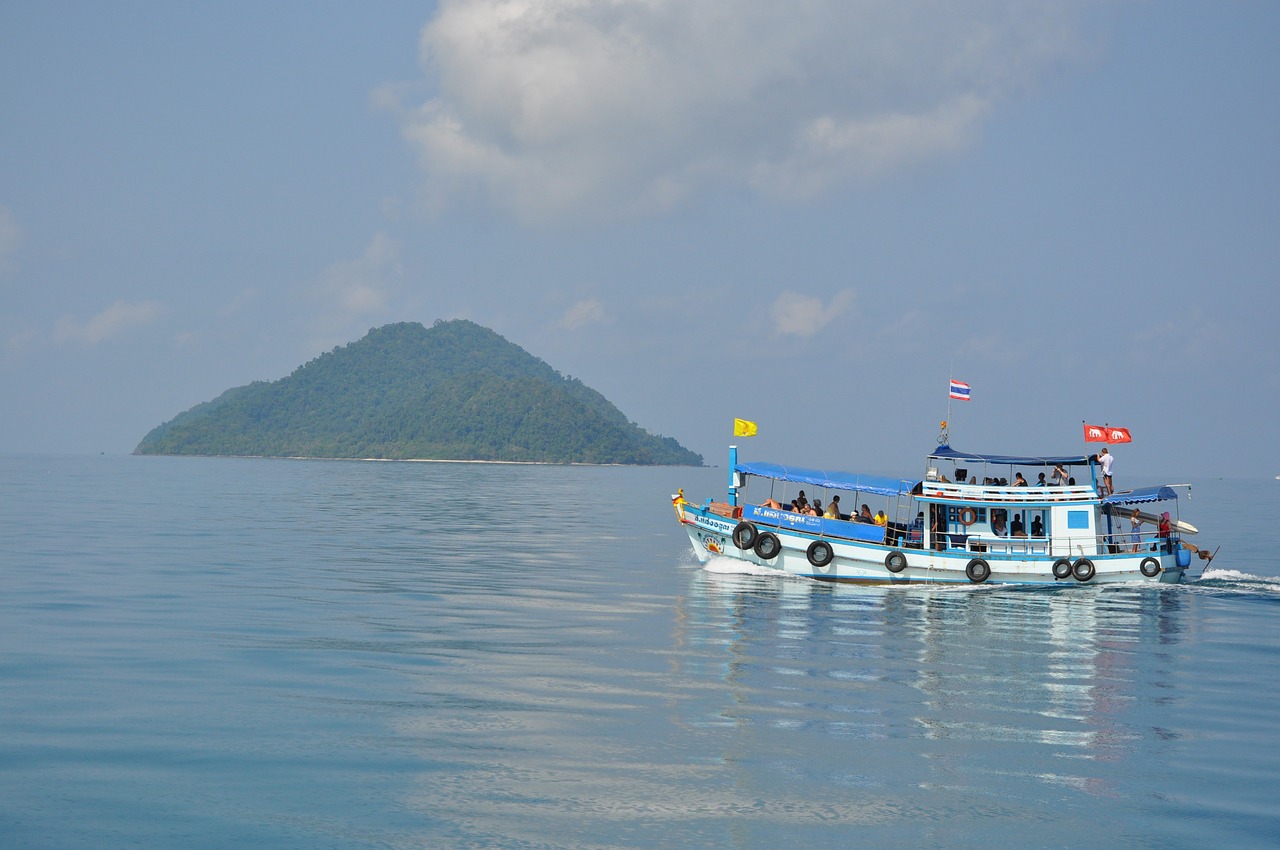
(996, 495)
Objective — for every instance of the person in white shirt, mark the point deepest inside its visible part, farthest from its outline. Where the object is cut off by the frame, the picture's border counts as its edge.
(1105, 460)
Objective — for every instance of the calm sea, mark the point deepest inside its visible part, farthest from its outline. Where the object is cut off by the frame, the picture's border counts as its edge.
(305, 654)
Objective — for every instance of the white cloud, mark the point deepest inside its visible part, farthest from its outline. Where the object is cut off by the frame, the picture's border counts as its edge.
(239, 303)
(805, 315)
(362, 286)
(20, 343)
(11, 237)
(350, 294)
(120, 317)
(585, 312)
(557, 107)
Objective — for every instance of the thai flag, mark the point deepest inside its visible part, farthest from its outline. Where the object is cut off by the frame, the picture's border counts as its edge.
(960, 390)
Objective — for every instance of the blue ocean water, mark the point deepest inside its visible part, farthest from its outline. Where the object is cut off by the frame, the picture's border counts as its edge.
(271, 653)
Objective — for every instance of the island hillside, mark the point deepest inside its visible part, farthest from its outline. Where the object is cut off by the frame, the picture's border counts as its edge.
(455, 391)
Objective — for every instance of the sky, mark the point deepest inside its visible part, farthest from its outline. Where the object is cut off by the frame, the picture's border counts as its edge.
(806, 215)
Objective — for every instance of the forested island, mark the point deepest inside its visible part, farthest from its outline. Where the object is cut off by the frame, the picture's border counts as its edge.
(455, 391)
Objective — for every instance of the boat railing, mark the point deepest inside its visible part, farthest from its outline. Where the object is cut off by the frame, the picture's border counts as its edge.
(989, 493)
(1010, 545)
(1123, 542)
(1119, 543)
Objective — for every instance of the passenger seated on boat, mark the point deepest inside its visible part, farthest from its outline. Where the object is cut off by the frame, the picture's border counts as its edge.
(998, 526)
(1016, 528)
(881, 519)
(1037, 527)
(818, 509)
(832, 511)
(865, 514)
(1018, 480)
(771, 503)
(804, 503)
(1040, 482)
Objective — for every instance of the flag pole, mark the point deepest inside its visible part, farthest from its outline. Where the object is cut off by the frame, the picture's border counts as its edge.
(944, 438)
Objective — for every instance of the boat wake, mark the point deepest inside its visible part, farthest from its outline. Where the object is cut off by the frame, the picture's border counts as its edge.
(732, 566)
(1236, 582)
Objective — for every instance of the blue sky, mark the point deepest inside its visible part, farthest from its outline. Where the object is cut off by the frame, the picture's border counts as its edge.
(808, 216)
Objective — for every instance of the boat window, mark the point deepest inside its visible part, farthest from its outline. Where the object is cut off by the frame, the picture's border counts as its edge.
(1037, 523)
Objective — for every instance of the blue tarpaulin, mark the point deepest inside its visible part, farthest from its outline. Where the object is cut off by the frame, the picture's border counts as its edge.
(948, 453)
(875, 484)
(1143, 494)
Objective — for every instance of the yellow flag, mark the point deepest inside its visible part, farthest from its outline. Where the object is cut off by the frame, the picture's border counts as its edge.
(743, 428)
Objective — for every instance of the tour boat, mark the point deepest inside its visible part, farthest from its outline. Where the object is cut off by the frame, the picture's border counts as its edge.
(961, 523)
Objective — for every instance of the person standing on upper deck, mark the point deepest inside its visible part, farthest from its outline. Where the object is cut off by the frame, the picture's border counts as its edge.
(1059, 476)
(1105, 460)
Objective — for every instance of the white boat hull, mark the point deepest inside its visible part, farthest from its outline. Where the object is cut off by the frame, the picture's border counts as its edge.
(852, 561)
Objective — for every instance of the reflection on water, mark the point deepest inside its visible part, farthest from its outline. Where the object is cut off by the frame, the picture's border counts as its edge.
(954, 703)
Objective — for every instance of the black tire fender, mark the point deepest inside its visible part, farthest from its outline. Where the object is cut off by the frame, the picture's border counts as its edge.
(1150, 567)
(744, 535)
(768, 546)
(895, 561)
(820, 553)
(1083, 569)
(978, 571)
(1062, 568)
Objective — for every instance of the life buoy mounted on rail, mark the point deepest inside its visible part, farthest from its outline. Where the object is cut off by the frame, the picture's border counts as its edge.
(967, 516)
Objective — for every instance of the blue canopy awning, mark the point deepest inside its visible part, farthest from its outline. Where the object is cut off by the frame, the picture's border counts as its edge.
(1143, 494)
(947, 453)
(876, 484)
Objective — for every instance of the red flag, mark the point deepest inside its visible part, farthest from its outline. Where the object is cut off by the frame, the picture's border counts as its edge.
(1106, 434)
(1094, 434)
(1118, 435)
